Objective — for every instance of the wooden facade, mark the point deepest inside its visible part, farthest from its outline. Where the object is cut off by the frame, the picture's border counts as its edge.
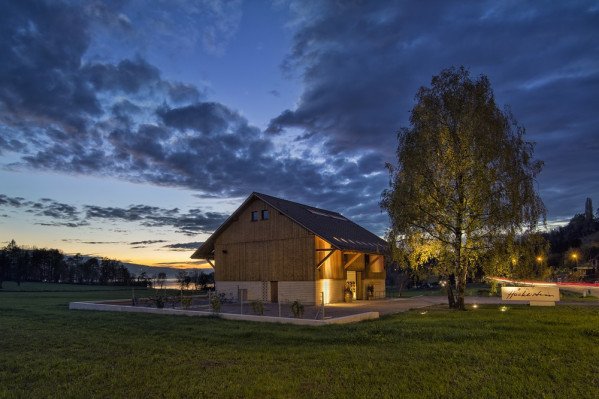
(267, 251)
(276, 249)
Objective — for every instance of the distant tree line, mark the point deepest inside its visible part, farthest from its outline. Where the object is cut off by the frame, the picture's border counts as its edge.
(569, 253)
(52, 265)
(575, 246)
(570, 236)
(187, 279)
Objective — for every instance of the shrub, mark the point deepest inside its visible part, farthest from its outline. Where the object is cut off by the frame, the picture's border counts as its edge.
(186, 302)
(215, 303)
(157, 300)
(298, 309)
(258, 307)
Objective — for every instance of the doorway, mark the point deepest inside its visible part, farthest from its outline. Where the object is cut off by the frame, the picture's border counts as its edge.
(355, 283)
(274, 291)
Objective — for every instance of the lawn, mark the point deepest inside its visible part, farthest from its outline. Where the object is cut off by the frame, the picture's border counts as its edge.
(48, 351)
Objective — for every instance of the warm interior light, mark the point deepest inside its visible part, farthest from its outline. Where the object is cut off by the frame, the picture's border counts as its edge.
(475, 306)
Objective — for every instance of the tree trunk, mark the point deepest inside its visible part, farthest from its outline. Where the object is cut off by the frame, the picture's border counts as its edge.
(461, 288)
(450, 297)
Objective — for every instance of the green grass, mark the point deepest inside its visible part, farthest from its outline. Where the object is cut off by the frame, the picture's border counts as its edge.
(51, 352)
(52, 287)
(571, 296)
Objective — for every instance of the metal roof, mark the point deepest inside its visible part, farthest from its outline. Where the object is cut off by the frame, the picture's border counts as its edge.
(333, 227)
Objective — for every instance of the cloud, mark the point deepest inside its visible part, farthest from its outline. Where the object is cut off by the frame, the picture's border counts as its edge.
(186, 265)
(12, 201)
(146, 242)
(64, 108)
(128, 76)
(63, 224)
(361, 64)
(184, 245)
(126, 121)
(191, 222)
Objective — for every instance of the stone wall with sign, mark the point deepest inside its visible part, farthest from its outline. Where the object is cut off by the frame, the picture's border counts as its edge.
(539, 296)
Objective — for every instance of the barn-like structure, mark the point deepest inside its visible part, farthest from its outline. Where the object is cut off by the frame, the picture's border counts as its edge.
(279, 250)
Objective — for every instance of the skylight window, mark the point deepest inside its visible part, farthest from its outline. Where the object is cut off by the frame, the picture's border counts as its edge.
(330, 215)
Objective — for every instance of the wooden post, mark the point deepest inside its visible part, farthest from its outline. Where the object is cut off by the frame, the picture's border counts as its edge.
(322, 298)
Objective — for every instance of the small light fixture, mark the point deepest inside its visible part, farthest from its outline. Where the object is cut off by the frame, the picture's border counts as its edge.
(475, 306)
(503, 308)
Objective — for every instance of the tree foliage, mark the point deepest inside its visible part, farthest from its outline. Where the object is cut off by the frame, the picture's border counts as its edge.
(51, 265)
(465, 178)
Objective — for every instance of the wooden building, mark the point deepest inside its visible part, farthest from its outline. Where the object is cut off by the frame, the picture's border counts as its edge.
(278, 250)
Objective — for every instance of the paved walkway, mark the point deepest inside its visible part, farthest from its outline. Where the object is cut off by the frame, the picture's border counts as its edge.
(398, 305)
(383, 306)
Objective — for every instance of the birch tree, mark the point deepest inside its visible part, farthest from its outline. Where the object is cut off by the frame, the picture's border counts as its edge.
(464, 182)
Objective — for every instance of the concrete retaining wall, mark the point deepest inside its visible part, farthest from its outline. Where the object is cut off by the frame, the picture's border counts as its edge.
(228, 316)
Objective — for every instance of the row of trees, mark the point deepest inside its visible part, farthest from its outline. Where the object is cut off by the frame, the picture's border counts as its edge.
(570, 236)
(186, 279)
(51, 265)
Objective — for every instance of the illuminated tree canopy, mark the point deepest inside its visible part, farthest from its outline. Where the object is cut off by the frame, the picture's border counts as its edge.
(464, 183)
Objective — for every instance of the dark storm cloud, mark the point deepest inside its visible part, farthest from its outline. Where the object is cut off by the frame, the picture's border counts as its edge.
(55, 213)
(123, 120)
(191, 222)
(128, 76)
(130, 214)
(183, 93)
(206, 118)
(57, 210)
(41, 46)
(362, 62)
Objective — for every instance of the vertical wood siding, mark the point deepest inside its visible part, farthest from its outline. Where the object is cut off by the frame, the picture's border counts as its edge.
(276, 249)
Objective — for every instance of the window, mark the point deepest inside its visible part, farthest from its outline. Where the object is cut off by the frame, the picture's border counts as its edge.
(254, 216)
(265, 214)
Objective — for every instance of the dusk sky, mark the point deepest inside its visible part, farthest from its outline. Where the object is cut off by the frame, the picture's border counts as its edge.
(132, 129)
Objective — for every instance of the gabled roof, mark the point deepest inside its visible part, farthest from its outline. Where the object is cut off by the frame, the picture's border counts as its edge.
(339, 231)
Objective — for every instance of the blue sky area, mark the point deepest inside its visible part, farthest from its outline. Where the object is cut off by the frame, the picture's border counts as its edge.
(131, 129)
